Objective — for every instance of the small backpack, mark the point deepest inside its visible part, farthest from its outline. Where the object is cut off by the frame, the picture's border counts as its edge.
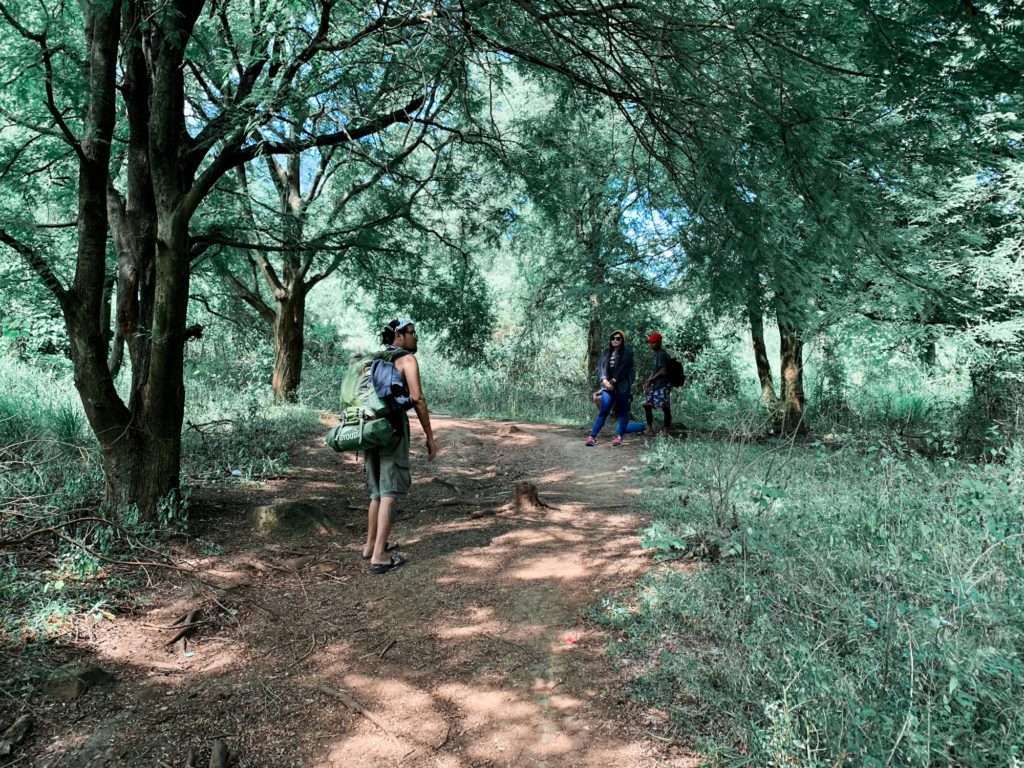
(676, 375)
(372, 389)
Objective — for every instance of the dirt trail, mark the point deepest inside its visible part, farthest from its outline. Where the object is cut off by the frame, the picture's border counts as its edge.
(475, 653)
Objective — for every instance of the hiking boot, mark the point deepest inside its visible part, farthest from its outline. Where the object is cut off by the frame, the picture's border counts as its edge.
(591, 440)
(617, 441)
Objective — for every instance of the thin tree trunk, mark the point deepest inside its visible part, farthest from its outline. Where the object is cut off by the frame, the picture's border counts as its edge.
(289, 344)
(116, 357)
(593, 334)
(928, 353)
(764, 369)
(111, 335)
(792, 384)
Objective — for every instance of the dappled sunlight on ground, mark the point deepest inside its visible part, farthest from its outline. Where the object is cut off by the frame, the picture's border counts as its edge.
(567, 566)
(475, 653)
(480, 621)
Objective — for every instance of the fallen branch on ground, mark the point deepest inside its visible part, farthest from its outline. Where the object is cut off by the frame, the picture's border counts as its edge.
(349, 702)
(449, 484)
(199, 427)
(312, 647)
(15, 734)
(190, 623)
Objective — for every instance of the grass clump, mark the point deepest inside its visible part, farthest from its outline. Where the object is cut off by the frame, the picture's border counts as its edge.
(224, 442)
(861, 607)
(55, 569)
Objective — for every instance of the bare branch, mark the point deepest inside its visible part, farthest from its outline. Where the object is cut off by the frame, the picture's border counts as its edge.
(43, 130)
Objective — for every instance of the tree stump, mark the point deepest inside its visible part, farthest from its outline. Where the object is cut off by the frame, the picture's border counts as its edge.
(508, 430)
(526, 498)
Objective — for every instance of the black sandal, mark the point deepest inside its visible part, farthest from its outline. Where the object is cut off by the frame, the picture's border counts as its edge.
(397, 561)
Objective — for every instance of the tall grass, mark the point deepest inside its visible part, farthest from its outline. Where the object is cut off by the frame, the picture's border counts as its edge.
(853, 608)
(51, 475)
(232, 426)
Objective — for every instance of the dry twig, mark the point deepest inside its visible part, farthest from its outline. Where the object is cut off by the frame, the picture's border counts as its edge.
(387, 648)
(349, 702)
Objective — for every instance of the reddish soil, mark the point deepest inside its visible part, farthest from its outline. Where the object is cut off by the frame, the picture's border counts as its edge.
(475, 653)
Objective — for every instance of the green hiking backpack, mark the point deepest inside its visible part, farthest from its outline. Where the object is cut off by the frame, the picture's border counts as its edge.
(370, 391)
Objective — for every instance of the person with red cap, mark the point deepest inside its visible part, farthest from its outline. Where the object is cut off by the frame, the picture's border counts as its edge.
(660, 395)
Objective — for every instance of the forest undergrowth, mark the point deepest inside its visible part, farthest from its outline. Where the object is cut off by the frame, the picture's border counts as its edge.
(848, 597)
(61, 546)
(859, 606)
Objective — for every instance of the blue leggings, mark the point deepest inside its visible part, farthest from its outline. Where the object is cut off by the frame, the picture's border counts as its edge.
(621, 400)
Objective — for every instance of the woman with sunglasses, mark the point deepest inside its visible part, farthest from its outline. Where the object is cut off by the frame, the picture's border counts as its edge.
(615, 371)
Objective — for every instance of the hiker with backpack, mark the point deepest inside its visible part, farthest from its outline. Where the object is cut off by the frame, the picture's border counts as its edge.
(660, 385)
(388, 475)
(615, 373)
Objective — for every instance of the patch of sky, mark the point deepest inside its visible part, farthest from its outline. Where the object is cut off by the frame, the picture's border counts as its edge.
(653, 235)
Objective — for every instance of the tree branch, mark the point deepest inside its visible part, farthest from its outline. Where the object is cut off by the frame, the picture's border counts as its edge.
(237, 154)
(38, 265)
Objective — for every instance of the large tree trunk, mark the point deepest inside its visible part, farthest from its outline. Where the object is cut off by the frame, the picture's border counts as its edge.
(141, 472)
(140, 442)
(289, 344)
(82, 305)
(792, 380)
(764, 369)
(168, 167)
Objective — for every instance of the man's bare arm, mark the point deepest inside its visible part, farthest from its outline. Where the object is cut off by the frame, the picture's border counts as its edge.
(410, 369)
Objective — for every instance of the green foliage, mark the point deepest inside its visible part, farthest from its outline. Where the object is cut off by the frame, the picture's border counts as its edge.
(233, 429)
(857, 607)
(544, 384)
(713, 375)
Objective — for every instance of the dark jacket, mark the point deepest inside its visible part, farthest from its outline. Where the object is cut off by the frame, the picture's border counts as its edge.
(623, 374)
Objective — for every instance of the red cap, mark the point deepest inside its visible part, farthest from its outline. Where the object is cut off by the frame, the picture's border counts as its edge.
(654, 338)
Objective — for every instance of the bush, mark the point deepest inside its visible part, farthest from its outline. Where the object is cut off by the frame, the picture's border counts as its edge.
(544, 383)
(249, 444)
(851, 608)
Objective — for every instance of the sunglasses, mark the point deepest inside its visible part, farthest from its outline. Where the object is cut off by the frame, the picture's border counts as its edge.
(616, 338)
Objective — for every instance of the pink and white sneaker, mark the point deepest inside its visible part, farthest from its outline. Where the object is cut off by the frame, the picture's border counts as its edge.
(617, 441)
(591, 440)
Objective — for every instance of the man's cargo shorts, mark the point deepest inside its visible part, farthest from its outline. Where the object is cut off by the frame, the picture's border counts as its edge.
(387, 469)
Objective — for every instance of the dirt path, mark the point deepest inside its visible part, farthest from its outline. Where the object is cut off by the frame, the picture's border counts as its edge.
(476, 653)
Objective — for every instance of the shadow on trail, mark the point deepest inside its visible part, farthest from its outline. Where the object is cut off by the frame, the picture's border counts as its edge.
(475, 653)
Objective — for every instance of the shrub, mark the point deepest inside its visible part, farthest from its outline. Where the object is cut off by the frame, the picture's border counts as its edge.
(860, 609)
